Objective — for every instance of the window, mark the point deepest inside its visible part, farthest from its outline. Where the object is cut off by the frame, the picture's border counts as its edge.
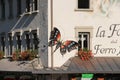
(31, 6)
(35, 5)
(3, 43)
(10, 9)
(2, 9)
(18, 42)
(35, 40)
(84, 40)
(10, 43)
(84, 35)
(18, 7)
(28, 41)
(84, 5)
(27, 5)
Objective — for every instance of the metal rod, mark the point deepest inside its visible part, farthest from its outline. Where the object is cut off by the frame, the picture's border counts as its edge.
(52, 58)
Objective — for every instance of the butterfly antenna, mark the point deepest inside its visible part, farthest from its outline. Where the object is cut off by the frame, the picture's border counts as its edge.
(55, 50)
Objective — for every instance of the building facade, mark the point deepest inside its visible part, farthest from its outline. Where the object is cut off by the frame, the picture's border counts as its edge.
(94, 24)
(22, 25)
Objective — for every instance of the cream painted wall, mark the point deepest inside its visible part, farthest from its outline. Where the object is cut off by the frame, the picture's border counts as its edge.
(65, 18)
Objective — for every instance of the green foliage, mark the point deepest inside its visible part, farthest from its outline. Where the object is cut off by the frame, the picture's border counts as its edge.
(17, 53)
(1, 54)
(34, 53)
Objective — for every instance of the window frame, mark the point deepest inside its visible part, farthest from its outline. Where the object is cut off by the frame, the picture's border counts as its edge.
(32, 7)
(90, 9)
(10, 40)
(82, 41)
(84, 29)
(27, 41)
(18, 41)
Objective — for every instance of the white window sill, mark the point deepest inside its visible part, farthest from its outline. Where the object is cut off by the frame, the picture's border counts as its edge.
(84, 10)
(31, 12)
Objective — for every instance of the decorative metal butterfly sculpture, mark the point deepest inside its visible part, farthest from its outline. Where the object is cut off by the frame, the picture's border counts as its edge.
(55, 39)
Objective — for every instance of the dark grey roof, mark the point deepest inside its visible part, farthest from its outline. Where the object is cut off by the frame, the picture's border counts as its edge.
(73, 65)
(95, 65)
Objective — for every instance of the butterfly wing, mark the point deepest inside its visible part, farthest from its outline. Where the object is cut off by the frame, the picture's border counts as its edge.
(68, 45)
(54, 37)
(71, 45)
(63, 49)
(57, 45)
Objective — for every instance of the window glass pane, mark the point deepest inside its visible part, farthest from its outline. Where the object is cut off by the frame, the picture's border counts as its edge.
(2, 6)
(83, 4)
(79, 42)
(18, 7)
(3, 43)
(35, 5)
(10, 44)
(27, 5)
(86, 42)
(18, 42)
(35, 40)
(27, 41)
(10, 9)
(83, 40)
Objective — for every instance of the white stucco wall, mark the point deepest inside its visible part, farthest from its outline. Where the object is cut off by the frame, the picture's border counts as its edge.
(65, 18)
